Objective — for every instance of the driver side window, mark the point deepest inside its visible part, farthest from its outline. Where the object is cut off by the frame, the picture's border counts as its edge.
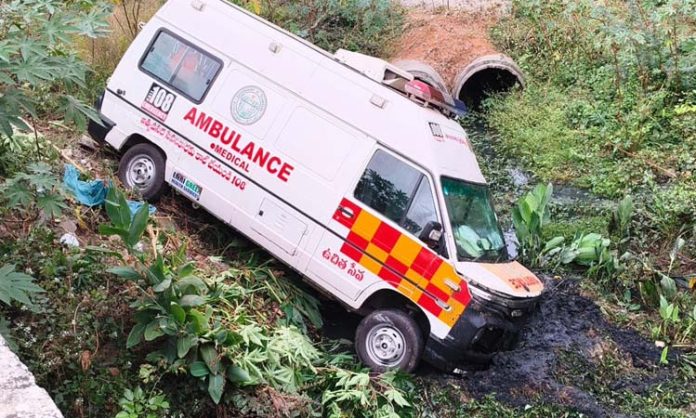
(398, 191)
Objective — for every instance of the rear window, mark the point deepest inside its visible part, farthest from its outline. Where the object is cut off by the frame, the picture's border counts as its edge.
(182, 66)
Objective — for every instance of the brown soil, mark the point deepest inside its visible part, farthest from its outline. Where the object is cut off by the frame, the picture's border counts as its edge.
(446, 41)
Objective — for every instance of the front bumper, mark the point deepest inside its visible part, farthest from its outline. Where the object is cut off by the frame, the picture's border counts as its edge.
(481, 332)
(99, 131)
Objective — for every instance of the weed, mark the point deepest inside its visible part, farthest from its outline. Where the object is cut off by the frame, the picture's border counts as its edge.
(136, 404)
(38, 188)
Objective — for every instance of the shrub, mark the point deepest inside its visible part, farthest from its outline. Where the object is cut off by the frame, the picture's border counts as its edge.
(358, 25)
(38, 61)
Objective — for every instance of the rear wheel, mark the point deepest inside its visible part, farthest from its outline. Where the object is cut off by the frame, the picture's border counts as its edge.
(142, 169)
(389, 339)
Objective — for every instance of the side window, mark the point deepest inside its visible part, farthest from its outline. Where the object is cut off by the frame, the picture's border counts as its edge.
(422, 209)
(181, 65)
(398, 191)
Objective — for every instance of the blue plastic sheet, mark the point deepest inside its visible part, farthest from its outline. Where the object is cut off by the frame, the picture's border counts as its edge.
(92, 193)
(135, 207)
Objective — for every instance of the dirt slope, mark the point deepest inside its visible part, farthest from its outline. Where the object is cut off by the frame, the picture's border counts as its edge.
(448, 41)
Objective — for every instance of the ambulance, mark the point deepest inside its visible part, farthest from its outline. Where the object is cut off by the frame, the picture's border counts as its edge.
(344, 167)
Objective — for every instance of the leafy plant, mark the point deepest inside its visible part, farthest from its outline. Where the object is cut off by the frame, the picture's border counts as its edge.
(587, 250)
(16, 286)
(37, 54)
(351, 390)
(37, 188)
(529, 217)
(202, 326)
(365, 26)
(136, 404)
(123, 223)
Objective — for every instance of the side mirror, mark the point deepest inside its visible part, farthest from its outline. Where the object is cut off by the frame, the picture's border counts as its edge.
(431, 234)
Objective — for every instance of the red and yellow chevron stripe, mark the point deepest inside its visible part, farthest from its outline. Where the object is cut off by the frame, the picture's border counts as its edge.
(414, 270)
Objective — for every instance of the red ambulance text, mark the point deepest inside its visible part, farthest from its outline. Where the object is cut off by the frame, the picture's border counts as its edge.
(229, 137)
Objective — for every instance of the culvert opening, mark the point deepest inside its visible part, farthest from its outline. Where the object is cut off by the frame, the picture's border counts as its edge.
(486, 75)
(485, 83)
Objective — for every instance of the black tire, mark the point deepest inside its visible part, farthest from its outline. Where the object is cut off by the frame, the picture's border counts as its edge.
(393, 326)
(149, 158)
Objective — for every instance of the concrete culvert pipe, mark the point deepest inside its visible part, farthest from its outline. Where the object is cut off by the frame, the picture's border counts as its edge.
(486, 75)
(424, 72)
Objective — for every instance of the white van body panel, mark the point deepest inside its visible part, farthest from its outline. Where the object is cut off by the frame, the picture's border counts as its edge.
(277, 145)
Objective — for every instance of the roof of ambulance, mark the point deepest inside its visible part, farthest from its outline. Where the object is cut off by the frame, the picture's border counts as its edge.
(401, 125)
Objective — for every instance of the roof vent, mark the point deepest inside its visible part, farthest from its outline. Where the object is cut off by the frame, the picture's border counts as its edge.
(375, 68)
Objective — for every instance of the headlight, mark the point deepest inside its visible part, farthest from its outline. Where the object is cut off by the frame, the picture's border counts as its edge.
(478, 293)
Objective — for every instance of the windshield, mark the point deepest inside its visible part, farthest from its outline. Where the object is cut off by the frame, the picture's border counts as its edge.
(474, 224)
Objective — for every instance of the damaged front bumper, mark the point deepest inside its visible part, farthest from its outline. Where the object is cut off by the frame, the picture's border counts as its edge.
(490, 324)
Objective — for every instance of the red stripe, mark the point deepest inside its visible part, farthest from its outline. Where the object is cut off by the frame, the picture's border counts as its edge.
(357, 240)
(463, 296)
(386, 237)
(423, 261)
(432, 268)
(437, 292)
(429, 304)
(390, 277)
(352, 252)
(396, 265)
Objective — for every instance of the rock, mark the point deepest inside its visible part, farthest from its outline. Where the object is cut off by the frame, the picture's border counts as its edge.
(89, 143)
(70, 240)
(20, 397)
(68, 226)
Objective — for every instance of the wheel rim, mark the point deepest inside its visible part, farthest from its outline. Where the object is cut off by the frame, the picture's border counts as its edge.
(386, 345)
(141, 172)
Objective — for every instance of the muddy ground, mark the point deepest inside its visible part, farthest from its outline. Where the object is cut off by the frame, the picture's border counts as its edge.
(562, 350)
(566, 339)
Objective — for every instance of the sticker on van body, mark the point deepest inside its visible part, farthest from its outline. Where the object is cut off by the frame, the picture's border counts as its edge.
(187, 186)
(158, 102)
(249, 105)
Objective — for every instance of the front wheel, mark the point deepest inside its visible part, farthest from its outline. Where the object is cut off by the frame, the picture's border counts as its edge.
(389, 339)
(142, 169)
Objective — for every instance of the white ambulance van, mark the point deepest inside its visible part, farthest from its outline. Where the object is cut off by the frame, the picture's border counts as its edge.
(342, 166)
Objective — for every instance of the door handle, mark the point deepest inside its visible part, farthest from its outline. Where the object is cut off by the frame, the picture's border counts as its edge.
(346, 212)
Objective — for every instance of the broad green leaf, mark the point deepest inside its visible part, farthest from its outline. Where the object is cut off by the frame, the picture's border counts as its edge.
(554, 243)
(17, 286)
(669, 286)
(193, 281)
(137, 227)
(153, 330)
(191, 301)
(162, 286)
(126, 272)
(51, 205)
(216, 385)
(198, 320)
(136, 335)
(178, 312)
(117, 209)
(199, 369)
(184, 344)
(238, 375)
(211, 357)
